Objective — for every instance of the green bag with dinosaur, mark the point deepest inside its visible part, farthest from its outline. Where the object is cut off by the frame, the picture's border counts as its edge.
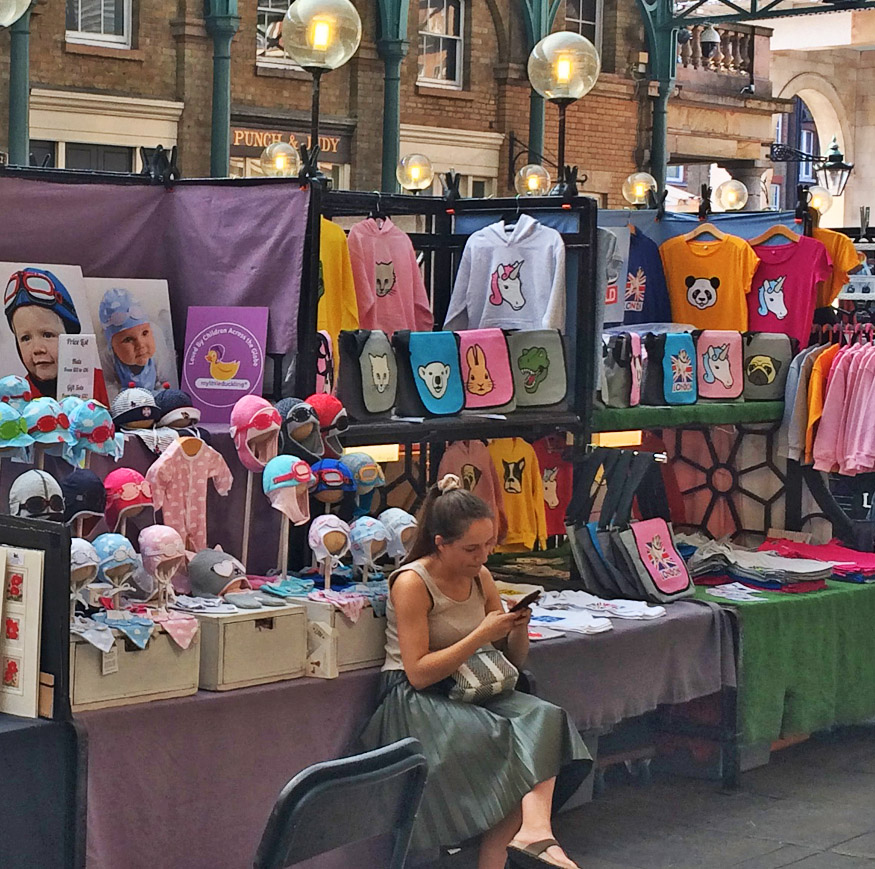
(537, 360)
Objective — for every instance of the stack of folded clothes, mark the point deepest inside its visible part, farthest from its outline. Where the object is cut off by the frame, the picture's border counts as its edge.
(848, 565)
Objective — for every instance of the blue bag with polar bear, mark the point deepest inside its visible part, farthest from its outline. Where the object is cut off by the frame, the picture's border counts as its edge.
(679, 368)
(429, 373)
(368, 379)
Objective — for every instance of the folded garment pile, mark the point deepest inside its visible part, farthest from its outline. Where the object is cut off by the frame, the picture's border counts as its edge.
(848, 564)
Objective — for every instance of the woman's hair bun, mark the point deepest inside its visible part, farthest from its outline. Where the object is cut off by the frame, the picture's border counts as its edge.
(448, 483)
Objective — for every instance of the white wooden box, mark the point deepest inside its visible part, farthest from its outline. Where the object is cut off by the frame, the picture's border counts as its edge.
(359, 645)
(160, 671)
(252, 647)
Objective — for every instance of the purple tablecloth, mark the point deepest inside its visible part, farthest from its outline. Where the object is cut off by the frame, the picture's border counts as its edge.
(190, 783)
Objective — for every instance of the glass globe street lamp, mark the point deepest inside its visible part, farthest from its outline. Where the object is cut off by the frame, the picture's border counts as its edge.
(833, 172)
(532, 180)
(11, 11)
(320, 35)
(819, 198)
(280, 160)
(732, 195)
(414, 172)
(562, 68)
(637, 189)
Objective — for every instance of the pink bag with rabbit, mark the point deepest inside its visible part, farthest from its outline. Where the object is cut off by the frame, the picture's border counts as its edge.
(486, 373)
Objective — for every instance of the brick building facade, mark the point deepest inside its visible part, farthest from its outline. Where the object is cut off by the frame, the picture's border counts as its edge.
(97, 96)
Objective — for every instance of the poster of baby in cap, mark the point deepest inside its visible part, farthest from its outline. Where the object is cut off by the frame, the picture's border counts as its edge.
(134, 332)
(41, 302)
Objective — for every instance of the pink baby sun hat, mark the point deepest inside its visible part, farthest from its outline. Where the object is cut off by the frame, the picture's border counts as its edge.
(125, 489)
(159, 543)
(251, 417)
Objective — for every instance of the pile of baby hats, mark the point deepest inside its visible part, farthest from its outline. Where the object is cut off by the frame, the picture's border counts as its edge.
(126, 489)
(13, 428)
(47, 423)
(286, 481)
(253, 417)
(36, 495)
(15, 390)
(133, 405)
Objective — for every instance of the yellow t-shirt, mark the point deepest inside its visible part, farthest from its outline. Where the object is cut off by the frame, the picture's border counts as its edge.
(816, 396)
(338, 308)
(708, 281)
(844, 257)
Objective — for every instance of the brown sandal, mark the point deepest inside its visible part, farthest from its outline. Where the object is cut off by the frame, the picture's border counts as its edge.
(531, 856)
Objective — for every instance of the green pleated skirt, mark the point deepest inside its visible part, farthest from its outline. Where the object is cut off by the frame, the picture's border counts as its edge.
(482, 759)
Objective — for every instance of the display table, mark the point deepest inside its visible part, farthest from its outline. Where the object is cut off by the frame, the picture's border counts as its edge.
(806, 661)
(191, 782)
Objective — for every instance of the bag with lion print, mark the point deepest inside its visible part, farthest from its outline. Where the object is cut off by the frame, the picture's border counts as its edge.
(368, 374)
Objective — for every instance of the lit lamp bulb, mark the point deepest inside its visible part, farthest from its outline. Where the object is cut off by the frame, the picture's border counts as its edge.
(563, 69)
(414, 172)
(636, 189)
(532, 180)
(280, 159)
(320, 34)
(820, 198)
(732, 195)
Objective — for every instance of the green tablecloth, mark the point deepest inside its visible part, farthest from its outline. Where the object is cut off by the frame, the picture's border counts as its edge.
(701, 413)
(806, 661)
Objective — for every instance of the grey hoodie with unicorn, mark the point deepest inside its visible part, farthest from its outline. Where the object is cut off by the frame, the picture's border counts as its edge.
(510, 277)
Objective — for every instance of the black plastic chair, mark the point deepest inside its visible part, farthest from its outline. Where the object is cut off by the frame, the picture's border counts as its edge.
(332, 804)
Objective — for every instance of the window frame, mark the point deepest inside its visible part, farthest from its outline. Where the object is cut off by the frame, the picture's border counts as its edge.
(775, 192)
(457, 83)
(576, 24)
(807, 140)
(676, 178)
(106, 40)
(284, 62)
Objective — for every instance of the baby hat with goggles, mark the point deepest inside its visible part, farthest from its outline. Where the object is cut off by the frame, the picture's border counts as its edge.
(175, 408)
(127, 493)
(118, 560)
(118, 312)
(84, 495)
(255, 425)
(15, 390)
(363, 534)
(13, 428)
(47, 423)
(366, 473)
(321, 527)
(94, 432)
(40, 287)
(333, 421)
(396, 522)
(84, 558)
(133, 405)
(296, 414)
(331, 479)
(36, 495)
(285, 481)
(213, 573)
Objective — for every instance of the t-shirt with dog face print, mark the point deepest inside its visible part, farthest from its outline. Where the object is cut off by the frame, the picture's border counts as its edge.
(708, 281)
(784, 290)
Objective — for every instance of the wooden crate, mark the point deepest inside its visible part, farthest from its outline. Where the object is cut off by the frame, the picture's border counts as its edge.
(356, 646)
(252, 647)
(160, 671)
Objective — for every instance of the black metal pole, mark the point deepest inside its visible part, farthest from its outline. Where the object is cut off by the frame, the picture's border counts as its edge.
(316, 72)
(562, 107)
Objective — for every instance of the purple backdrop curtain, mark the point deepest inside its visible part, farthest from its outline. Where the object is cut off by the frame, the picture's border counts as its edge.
(215, 243)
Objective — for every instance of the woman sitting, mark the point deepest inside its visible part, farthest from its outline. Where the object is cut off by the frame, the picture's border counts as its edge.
(493, 765)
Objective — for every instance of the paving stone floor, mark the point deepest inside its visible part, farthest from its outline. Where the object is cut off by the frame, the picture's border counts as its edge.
(812, 807)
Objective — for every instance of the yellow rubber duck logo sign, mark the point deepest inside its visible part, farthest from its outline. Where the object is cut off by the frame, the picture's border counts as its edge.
(220, 370)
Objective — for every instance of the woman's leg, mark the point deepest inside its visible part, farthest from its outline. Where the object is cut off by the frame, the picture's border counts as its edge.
(494, 842)
(537, 807)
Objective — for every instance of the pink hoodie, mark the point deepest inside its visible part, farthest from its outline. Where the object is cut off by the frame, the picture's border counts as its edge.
(389, 287)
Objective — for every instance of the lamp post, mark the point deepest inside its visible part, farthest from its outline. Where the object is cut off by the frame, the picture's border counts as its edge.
(562, 68)
(15, 14)
(222, 22)
(320, 35)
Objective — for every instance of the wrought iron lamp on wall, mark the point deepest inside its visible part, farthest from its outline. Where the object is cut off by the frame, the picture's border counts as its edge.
(832, 171)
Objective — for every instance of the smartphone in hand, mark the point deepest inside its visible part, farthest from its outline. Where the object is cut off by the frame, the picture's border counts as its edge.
(528, 600)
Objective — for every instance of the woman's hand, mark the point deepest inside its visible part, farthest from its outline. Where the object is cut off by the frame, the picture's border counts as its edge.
(497, 625)
(523, 617)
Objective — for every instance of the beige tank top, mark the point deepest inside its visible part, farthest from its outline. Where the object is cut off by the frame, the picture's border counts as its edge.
(448, 620)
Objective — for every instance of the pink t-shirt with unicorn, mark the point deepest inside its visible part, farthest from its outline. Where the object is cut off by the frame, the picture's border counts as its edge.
(784, 289)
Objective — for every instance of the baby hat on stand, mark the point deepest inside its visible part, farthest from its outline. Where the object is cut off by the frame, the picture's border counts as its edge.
(126, 490)
(362, 533)
(286, 481)
(319, 529)
(396, 521)
(255, 425)
(15, 390)
(36, 495)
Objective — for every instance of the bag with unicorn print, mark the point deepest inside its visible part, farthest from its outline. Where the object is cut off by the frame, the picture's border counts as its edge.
(719, 365)
(368, 378)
